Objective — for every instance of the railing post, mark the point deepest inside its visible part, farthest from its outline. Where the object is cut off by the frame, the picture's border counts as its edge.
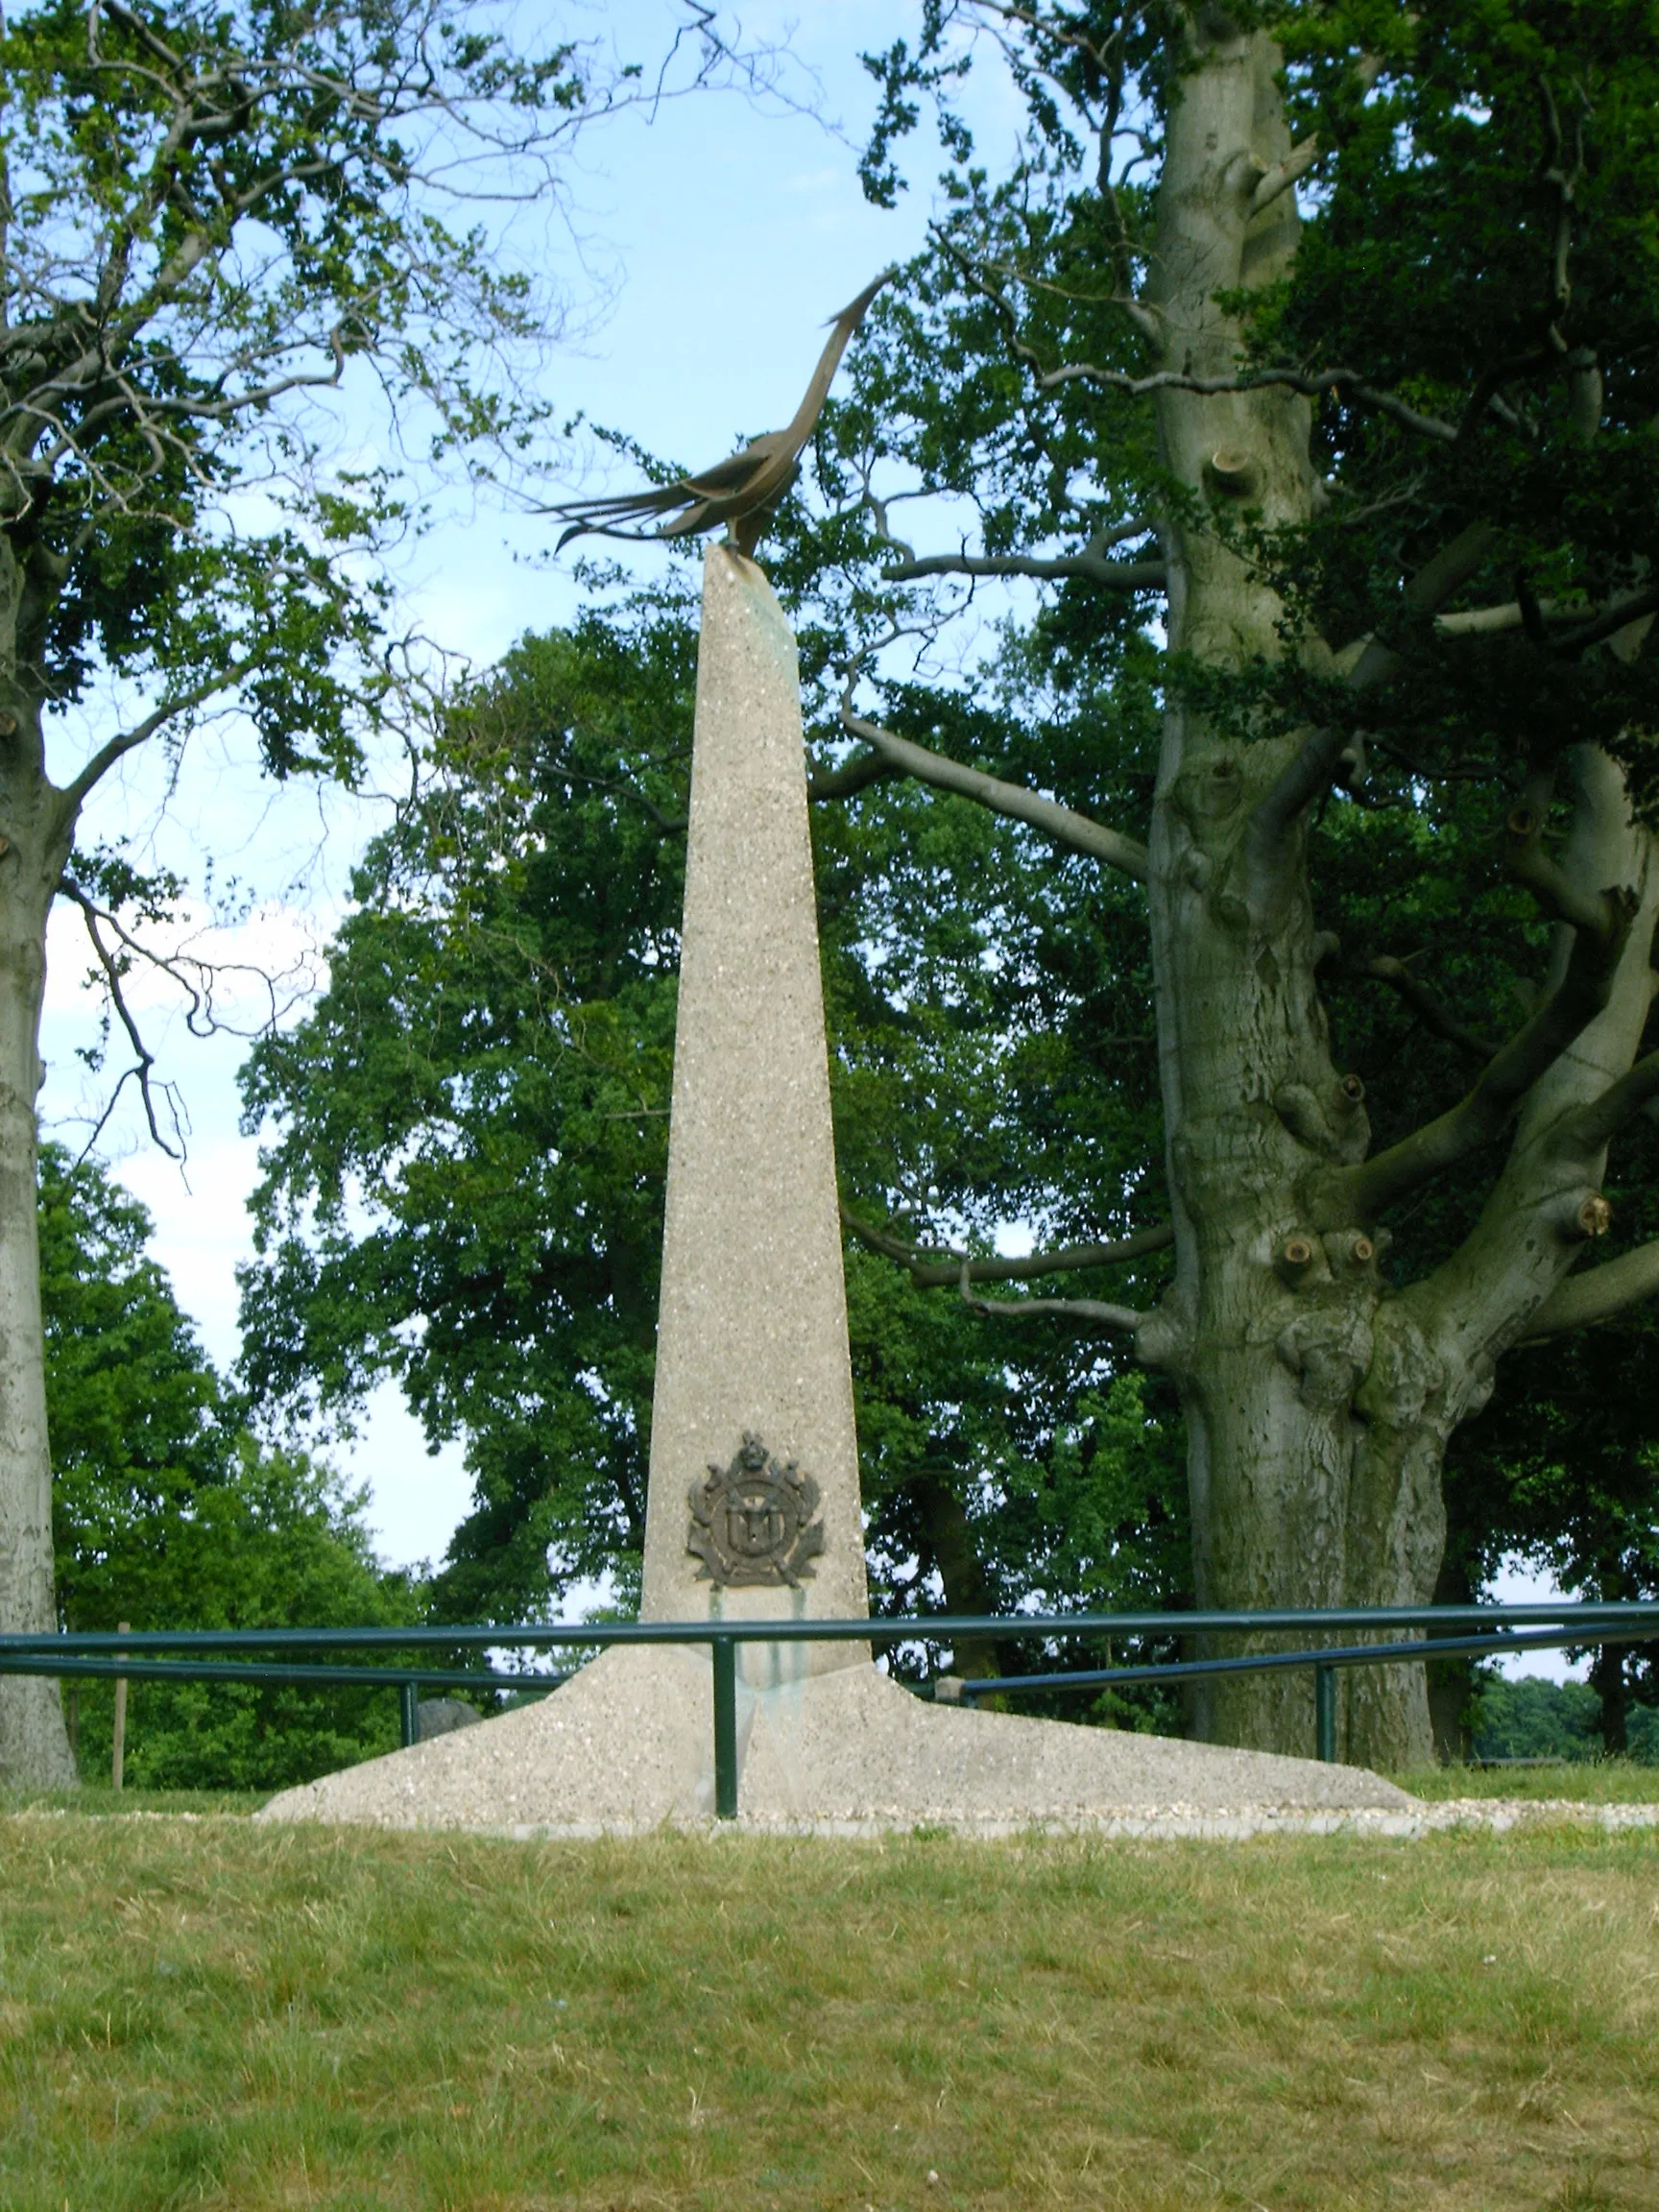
(723, 1651)
(118, 1738)
(409, 1712)
(1325, 1713)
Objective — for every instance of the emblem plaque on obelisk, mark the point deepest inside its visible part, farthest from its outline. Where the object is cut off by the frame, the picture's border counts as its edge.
(751, 1520)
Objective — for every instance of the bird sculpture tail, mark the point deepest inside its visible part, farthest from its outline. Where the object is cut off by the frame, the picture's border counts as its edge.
(611, 518)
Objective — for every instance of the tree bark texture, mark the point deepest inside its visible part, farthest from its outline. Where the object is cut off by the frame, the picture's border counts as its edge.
(35, 823)
(948, 1535)
(1319, 1402)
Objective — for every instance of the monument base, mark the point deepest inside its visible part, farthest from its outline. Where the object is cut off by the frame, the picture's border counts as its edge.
(626, 1744)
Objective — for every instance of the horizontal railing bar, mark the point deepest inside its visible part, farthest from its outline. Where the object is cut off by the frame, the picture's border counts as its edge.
(273, 1670)
(940, 1627)
(1422, 1648)
(65, 1657)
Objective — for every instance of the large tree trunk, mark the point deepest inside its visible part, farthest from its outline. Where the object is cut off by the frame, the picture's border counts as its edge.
(1319, 1402)
(1611, 1683)
(1295, 1501)
(34, 1746)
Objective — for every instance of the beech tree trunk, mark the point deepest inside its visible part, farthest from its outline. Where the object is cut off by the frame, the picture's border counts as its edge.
(1609, 1679)
(948, 1535)
(1319, 1401)
(35, 824)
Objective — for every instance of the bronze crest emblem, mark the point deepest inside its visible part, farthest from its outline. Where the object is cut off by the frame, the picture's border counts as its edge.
(752, 1522)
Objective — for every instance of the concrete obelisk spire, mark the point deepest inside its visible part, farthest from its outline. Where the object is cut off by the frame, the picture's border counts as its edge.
(752, 1335)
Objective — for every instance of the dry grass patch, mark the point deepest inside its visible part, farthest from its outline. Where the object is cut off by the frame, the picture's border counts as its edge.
(210, 2013)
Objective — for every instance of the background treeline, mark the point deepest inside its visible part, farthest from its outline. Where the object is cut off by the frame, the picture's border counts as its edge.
(467, 1141)
(464, 1190)
(1532, 1719)
(168, 1514)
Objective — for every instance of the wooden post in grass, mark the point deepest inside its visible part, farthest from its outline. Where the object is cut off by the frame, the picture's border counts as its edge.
(119, 1744)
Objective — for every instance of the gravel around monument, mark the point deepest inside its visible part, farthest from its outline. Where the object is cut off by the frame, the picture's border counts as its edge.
(626, 1744)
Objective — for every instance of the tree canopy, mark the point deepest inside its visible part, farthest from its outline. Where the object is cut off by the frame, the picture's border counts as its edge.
(1277, 435)
(167, 1514)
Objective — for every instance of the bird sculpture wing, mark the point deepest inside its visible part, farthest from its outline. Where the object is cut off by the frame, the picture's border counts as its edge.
(739, 491)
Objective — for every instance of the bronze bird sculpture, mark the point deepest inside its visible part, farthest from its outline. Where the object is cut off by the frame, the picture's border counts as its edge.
(742, 492)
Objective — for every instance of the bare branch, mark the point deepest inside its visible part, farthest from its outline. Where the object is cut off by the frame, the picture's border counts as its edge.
(1554, 351)
(1489, 622)
(1561, 898)
(1087, 1313)
(1427, 1008)
(1491, 382)
(1142, 317)
(1283, 173)
(1596, 1125)
(1063, 824)
(1111, 575)
(1370, 661)
(934, 1268)
(1360, 1193)
(976, 282)
(144, 1059)
(194, 978)
(1310, 386)
(1617, 618)
(1598, 1294)
(127, 741)
(1565, 183)
(1064, 35)
(852, 777)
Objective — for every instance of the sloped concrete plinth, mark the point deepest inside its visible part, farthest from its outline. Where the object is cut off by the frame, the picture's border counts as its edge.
(627, 1744)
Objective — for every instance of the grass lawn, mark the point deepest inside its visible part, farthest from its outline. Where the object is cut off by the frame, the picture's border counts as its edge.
(204, 2012)
(1585, 1781)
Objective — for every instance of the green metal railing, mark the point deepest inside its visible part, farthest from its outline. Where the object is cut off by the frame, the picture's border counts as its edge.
(1324, 1664)
(1489, 1629)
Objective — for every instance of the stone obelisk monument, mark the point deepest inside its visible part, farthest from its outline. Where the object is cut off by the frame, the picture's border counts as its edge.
(754, 1505)
(753, 1509)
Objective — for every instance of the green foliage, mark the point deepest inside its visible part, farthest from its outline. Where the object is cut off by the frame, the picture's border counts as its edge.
(277, 1544)
(991, 1003)
(135, 1411)
(465, 1185)
(1534, 1719)
(486, 1078)
(1478, 246)
(167, 1515)
(211, 213)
